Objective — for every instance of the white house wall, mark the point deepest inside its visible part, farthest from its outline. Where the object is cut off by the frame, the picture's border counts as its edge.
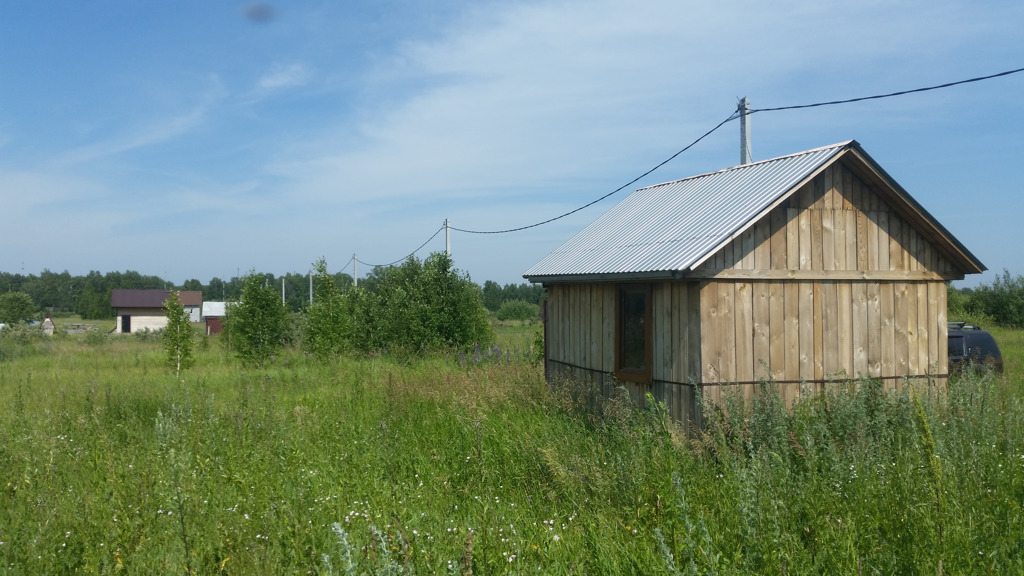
(142, 318)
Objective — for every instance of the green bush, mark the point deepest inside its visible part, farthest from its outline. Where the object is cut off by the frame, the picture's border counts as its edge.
(517, 310)
(418, 306)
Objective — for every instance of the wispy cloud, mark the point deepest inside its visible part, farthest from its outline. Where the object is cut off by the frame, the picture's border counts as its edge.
(154, 133)
(283, 76)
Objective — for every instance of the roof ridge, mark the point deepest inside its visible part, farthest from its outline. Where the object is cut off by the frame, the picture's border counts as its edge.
(752, 164)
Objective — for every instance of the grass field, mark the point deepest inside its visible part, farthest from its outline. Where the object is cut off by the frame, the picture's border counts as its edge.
(108, 464)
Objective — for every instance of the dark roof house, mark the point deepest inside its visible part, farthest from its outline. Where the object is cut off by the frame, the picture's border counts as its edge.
(144, 309)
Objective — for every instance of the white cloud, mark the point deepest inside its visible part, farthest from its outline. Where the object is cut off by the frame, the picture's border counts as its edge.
(513, 98)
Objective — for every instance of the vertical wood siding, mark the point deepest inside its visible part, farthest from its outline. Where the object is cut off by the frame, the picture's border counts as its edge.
(582, 339)
(835, 222)
(734, 331)
(821, 329)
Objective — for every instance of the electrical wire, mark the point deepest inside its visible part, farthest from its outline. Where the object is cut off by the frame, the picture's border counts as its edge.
(889, 95)
(737, 114)
(413, 253)
(731, 117)
(345, 267)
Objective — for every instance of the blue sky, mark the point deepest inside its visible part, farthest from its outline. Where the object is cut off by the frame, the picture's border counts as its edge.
(194, 139)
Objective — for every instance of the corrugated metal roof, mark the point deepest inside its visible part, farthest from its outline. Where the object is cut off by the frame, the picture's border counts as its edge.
(667, 228)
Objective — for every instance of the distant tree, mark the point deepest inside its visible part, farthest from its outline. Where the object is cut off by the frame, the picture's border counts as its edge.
(215, 291)
(296, 291)
(328, 318)
(492, 295)
(178, 336)
(257, 323)
(192, 285)
(16, 308)
(344, 281)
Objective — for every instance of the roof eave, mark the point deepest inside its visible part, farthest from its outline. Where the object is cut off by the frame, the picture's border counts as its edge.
(615, 277)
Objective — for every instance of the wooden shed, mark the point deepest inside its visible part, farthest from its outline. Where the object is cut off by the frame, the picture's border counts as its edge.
(809, 269)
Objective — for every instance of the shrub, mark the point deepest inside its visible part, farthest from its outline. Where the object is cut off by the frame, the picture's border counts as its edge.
(418, 306)
(148, 335)
(517, 310)
(95, 338)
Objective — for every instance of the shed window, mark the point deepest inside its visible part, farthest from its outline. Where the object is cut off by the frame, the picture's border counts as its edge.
(633, 334)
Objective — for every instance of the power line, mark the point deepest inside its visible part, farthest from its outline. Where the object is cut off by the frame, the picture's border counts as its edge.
(345, 267)
(731, 117)
(734, 116)
(889, 95)
(413, 253)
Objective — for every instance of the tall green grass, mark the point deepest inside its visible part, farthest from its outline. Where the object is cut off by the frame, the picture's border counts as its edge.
(108, 464)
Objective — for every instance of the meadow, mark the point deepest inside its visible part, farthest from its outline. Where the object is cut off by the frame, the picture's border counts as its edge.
(467, 464)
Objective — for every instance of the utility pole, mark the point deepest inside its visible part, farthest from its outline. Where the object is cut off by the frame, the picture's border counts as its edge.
(744, 111)
(355, 271)
(447, 239)
(282, 290)
(311, 287)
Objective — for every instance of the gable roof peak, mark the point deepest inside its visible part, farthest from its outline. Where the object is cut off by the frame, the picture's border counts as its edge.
(664, 230)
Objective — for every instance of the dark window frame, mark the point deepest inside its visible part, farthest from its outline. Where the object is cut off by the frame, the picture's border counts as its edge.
(625, 373)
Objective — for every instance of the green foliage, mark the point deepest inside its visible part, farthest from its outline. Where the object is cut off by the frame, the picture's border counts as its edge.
(1001, 303)
(329, 318)
(416, 307)
(517, 310)
(537, 346)
(17, 340)
(16, 308)
(491, 295)
(258, 324)
(178, 336)
(495, 295)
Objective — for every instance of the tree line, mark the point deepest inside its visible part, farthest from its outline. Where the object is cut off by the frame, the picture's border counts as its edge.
(89, 295)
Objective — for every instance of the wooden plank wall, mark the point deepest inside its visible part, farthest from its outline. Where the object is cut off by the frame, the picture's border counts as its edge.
(816, 332)
(581, 335)
(835, 222)
(824, 323)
